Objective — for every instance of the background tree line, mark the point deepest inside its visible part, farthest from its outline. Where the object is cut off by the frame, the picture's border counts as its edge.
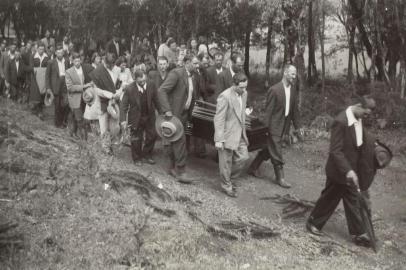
(375, 29)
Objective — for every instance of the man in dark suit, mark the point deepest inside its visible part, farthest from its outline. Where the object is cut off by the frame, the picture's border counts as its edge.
(55, 81)
(281, 110)
(230, 136)
(15, 76)
(347, 141)
(213, 78)
(137, 111)
(105, 78)
(176, 96)
(226, 77)
(114, 45)
(159, 76)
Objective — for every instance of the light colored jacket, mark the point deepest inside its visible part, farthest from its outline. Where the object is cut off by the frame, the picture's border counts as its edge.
(229, 121)
(93, 111)
(74, 85)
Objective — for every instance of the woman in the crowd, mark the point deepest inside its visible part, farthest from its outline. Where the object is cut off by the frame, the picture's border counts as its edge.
(96, 60)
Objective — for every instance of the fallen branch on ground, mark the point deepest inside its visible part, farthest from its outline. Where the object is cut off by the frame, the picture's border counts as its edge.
(236, 230)
(294, 207)
(162, 211)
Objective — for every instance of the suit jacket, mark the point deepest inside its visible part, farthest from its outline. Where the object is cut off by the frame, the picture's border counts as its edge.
(344, 155)
(229, 120)
(74, 85)
(130, 104)
(155, 76)
(173, 92)
(111, 48)
(214, 85)
(52, 79)
(101, 78)
(226, 79)
(12, 75)
(275, 119)
(201, 80)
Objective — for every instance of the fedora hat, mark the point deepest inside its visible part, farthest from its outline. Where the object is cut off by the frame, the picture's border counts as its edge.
(170, 130)
(383, 155)
(49, 98)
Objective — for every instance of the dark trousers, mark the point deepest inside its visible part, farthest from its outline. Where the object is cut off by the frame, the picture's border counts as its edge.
(273, 151)
(177, 151)
(143, 139)
(76, 123)
(61, 110)
(330, 198)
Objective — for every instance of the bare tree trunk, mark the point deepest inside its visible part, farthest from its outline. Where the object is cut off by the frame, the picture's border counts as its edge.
(323, 66)
(351, 53)
(268, 50)
(247, 49)
(311, 69)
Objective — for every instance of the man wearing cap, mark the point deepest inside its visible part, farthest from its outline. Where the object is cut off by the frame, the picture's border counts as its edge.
(55, 82)
(230, 136)
(137, 111)
(350, 152)
(176, 96)
(213, 78)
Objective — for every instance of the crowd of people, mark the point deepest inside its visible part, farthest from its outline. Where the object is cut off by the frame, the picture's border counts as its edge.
(130, 90)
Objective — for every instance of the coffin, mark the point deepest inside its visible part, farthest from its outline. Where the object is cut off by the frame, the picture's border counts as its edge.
(202, 126)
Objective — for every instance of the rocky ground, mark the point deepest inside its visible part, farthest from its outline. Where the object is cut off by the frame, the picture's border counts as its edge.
(78, 209)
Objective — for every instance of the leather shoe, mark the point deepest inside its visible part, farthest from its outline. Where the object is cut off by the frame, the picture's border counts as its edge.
(229, 191)
(181, 177)
(312, 229)
(283, 183)
(362, 240)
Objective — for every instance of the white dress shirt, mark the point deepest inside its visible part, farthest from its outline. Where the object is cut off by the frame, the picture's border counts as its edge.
(113, 75)
(190, 92)
(232, 72)
(117, 48)
(357, 125)
(61, 67)
(17, 65)
(287, 99)
(142, 88)
(219, 70)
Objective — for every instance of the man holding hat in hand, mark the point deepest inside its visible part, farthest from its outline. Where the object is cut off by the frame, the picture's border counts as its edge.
(137, 111)
(176, 97)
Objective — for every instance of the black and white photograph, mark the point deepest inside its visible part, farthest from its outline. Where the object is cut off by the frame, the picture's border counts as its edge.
(202, 134)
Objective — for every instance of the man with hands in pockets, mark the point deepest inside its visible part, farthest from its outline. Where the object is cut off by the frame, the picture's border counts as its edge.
(230, 135)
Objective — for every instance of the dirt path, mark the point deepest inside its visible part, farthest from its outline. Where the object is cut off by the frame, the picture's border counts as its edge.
(70, 219)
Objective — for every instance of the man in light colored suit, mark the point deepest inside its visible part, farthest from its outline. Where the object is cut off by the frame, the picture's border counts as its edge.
(75, 84)
(230, 135)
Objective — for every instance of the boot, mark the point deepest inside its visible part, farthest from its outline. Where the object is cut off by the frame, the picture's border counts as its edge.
(254, 166)
(280, 177)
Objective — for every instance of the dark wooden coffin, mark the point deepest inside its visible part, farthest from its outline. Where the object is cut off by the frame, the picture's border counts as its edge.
(202, 126)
